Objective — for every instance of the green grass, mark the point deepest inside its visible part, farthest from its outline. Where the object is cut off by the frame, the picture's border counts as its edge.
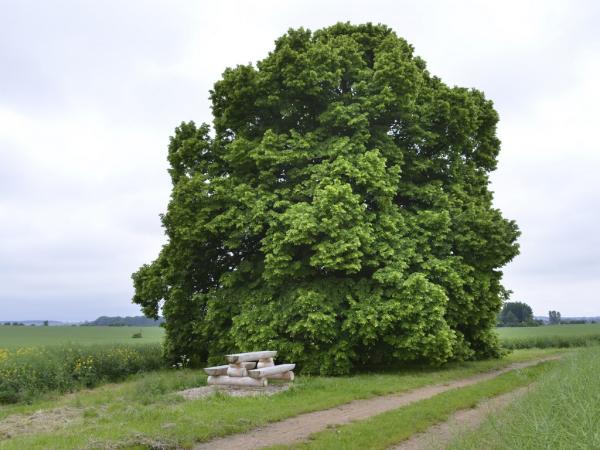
(559, 336)
(37, 360)
(144, 410)
(29, 372)
(562, 412)
(389, 428)
(15, 337)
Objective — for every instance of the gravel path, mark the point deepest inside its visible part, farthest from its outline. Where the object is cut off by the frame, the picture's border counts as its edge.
(299, 428)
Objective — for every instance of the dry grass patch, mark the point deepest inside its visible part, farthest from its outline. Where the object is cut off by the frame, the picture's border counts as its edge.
(42, 421)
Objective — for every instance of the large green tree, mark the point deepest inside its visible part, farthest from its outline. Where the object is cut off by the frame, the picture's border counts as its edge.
(340, 213)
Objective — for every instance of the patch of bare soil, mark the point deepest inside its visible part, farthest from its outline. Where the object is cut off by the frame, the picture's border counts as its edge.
(39, 422)
(440, 435)
(205, 391)
(299, 428)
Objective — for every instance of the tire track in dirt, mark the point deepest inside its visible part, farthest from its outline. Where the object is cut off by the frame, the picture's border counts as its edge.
(440, 435)
(299, 428)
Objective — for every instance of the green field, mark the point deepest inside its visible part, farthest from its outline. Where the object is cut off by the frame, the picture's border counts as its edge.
(12, 338)
(559, 336)
(508, 333)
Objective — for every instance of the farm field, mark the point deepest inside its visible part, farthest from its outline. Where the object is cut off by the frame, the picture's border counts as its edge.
(508, 333)
(146, 412)
(12, 337)
(549, 336)
(39, 361)
(15, 337)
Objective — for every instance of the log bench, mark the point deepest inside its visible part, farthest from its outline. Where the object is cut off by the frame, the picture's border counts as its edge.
(252, 369)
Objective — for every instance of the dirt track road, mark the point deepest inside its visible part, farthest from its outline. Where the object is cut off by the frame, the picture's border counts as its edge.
(440, 435)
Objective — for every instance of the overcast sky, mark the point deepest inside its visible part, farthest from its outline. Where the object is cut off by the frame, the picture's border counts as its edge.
(90, 91)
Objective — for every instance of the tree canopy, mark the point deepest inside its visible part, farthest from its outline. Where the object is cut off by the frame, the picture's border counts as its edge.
(338, 211)
(516, 314)
(554, 317)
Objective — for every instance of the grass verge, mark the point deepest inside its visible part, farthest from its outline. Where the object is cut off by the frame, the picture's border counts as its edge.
(389, 428)
(136, 413)
(562, 412)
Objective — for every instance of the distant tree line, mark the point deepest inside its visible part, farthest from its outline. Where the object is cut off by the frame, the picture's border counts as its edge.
(28, 323)
(118, 321)
(554, 318)
(519, 314)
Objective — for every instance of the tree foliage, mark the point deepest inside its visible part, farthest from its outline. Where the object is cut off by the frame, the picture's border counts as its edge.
(516, 314)
(554, 317)
(340, 213)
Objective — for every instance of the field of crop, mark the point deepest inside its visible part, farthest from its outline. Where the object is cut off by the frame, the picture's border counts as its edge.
(517, 337)
(29, 372)
(12, 338)
(558, 336)
(35, 361)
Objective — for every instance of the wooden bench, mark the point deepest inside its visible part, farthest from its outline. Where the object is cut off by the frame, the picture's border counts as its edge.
(252, 369)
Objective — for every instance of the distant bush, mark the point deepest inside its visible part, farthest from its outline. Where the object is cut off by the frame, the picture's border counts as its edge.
(137, 335)
(28, 372)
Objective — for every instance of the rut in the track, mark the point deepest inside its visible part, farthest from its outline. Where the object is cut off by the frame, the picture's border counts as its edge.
(440, 435)
(299, 428)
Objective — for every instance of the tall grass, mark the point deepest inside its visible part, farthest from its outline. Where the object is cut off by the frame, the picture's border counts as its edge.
(28, 372)
(550, 336)
(562, 412)
(550, 342)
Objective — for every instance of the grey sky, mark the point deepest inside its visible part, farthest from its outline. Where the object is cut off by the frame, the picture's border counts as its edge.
(90, 92)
